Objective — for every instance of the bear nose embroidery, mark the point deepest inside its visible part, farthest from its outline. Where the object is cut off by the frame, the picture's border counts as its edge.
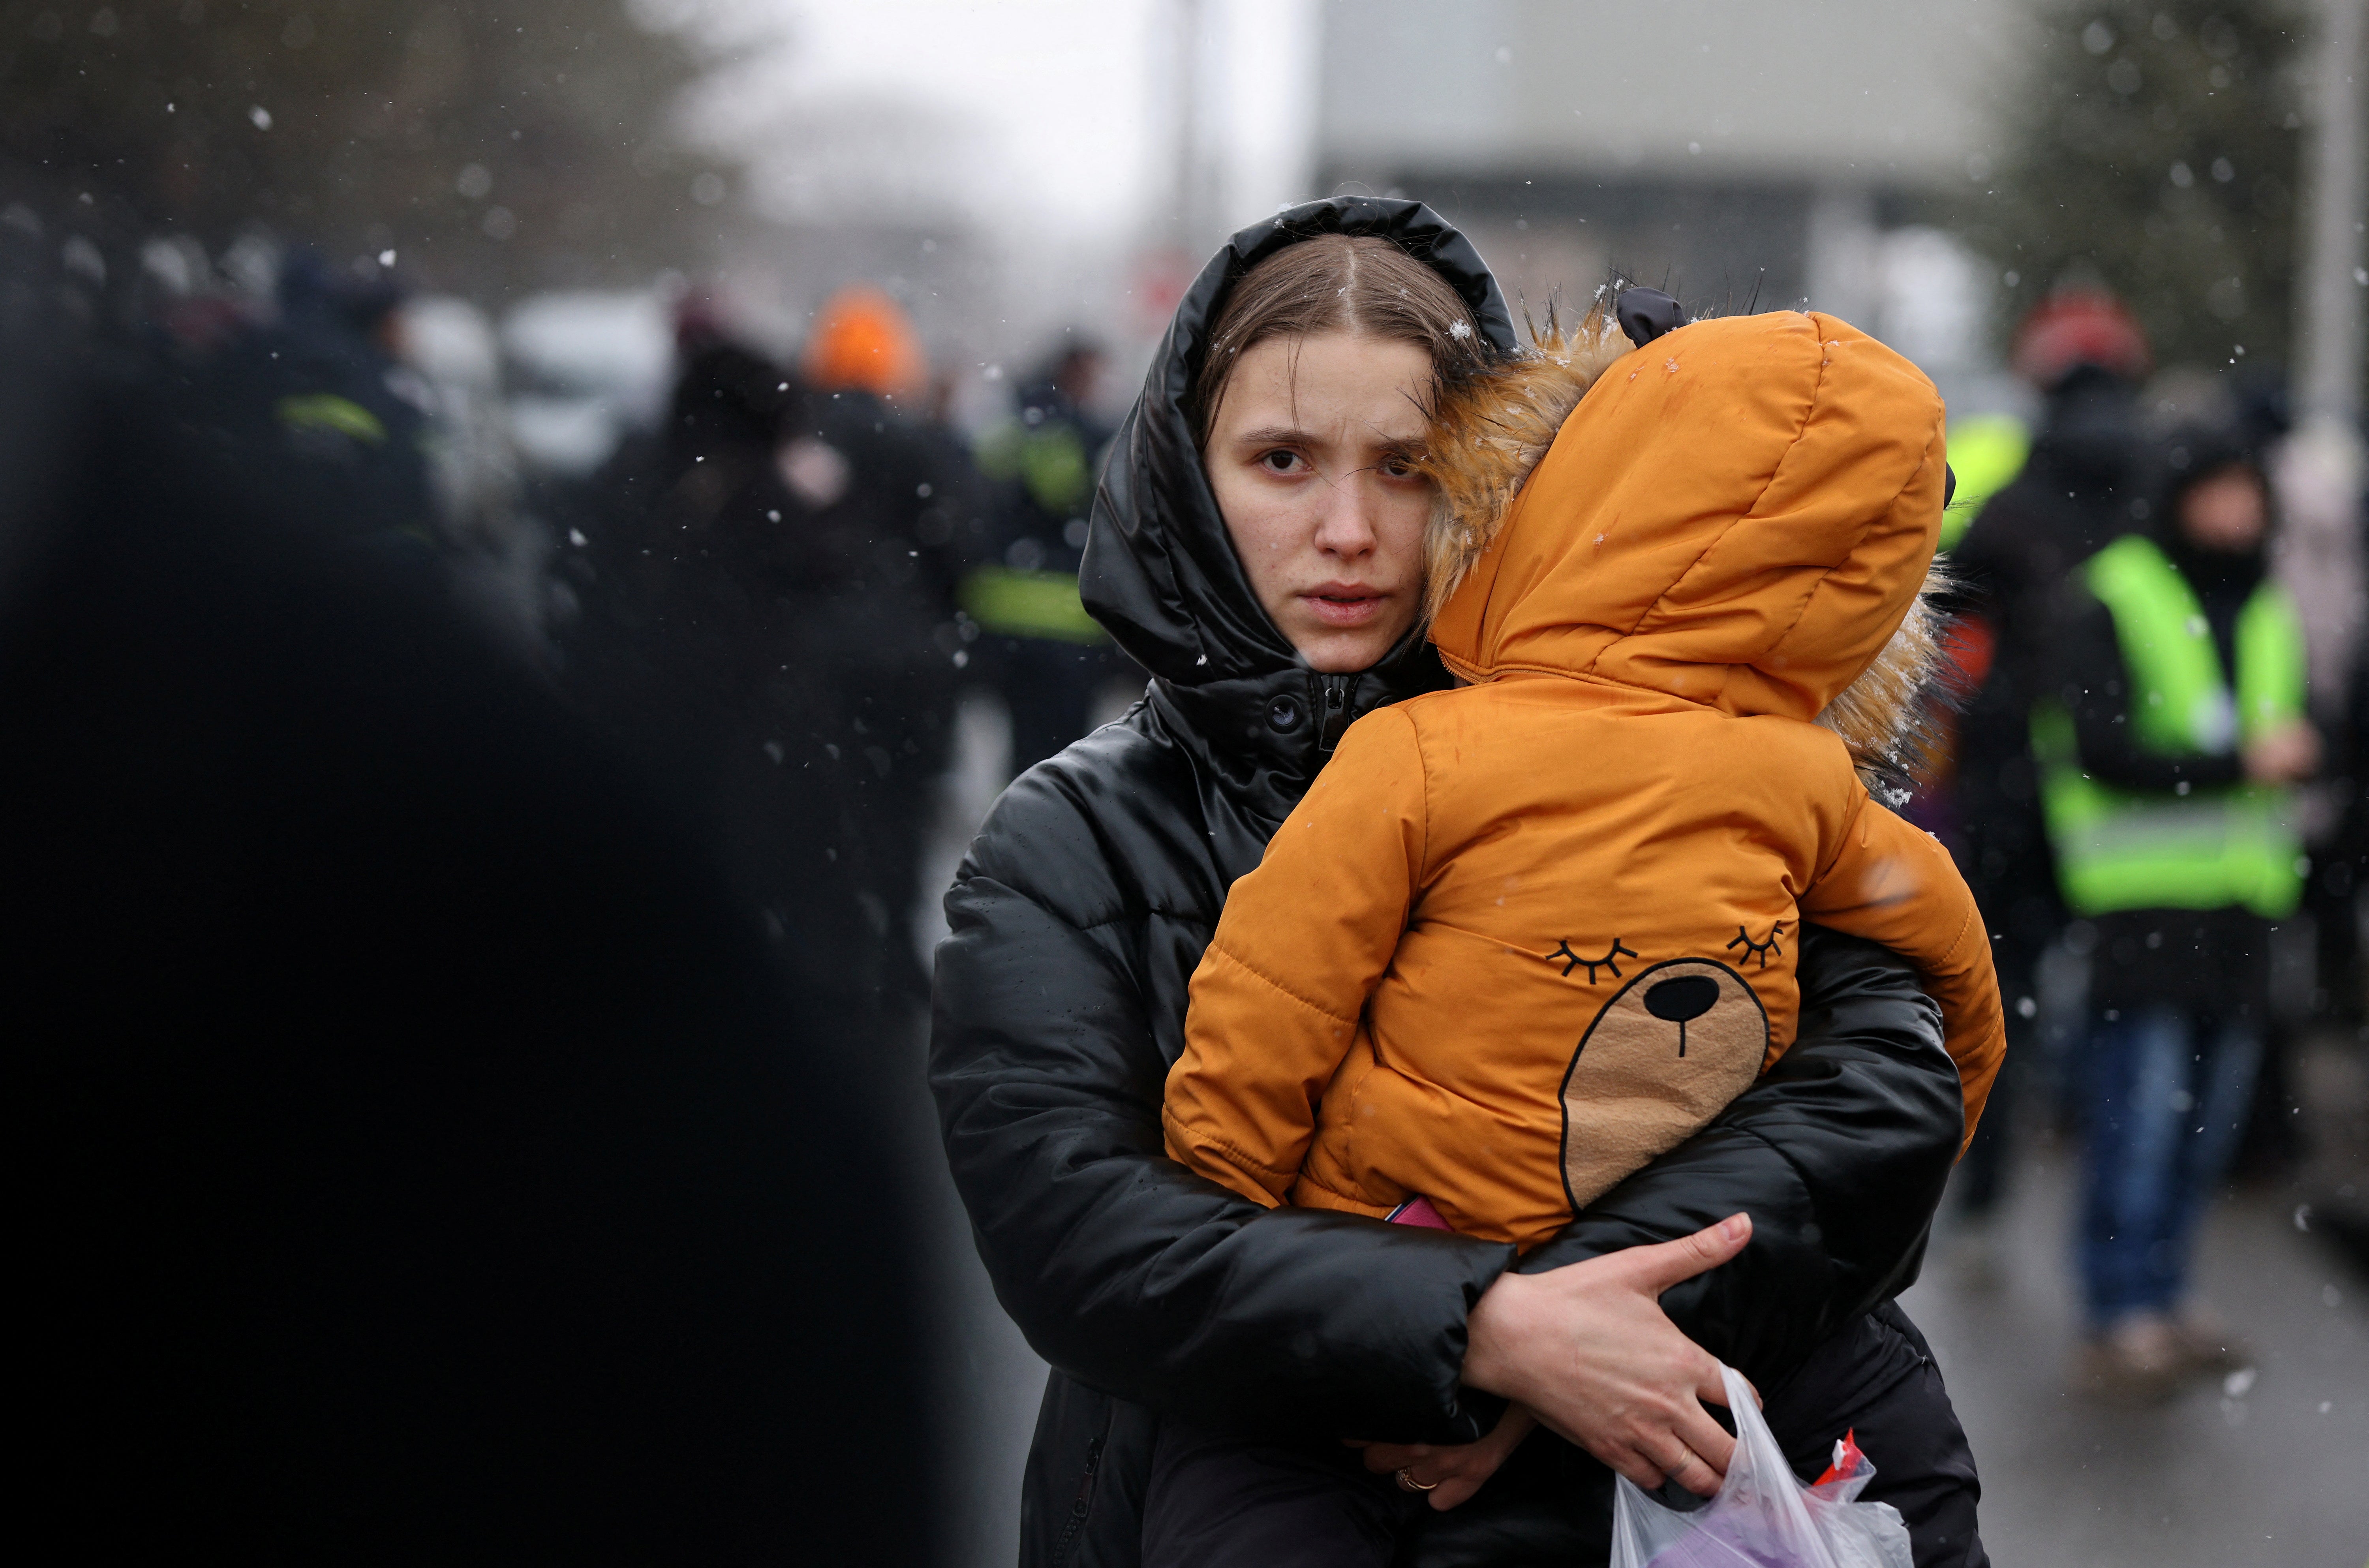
(1680, 999)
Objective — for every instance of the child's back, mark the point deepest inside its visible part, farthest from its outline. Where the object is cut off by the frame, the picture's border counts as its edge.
(1522, 938)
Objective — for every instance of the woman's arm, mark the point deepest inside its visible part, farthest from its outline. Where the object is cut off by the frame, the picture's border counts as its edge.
(1838, 1154)
(1138, 1278)
(1121, 1268)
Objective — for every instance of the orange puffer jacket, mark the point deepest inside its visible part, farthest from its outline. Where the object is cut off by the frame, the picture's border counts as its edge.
(1524, 936)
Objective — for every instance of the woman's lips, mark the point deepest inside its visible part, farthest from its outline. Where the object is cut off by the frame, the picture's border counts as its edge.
(1344, 604)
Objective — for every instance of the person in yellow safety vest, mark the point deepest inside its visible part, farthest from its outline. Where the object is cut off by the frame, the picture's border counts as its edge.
(1048, 655)
(2169, 738)
(2077, 488)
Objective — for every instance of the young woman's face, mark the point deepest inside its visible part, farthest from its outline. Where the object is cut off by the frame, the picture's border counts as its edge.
(1309, 456)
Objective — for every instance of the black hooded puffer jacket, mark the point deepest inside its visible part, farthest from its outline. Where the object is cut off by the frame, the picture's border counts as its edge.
(1077, 920)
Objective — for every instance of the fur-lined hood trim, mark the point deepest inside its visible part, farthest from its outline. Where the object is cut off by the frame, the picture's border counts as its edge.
(1741, 513)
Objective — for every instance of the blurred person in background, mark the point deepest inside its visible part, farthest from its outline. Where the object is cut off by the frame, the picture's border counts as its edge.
(1049, 656)
(421, 1156)
(2172, 731)
(888, 515)
(318, 393)
(2079, 487)
(766, 585)
(680, 653)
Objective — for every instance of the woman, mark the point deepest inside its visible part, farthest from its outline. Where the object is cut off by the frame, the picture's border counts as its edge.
(1169, 1306)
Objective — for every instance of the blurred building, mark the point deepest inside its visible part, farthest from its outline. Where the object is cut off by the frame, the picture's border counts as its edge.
(1733, 154)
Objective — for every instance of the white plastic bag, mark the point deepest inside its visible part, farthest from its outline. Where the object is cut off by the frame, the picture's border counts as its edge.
(1763, 1516)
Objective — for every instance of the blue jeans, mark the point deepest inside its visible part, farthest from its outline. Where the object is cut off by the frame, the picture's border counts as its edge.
(2164, 1097)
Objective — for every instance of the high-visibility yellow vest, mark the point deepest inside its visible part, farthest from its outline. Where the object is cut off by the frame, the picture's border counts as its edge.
(2211, 848)
(1016, 603)
(1986, 451)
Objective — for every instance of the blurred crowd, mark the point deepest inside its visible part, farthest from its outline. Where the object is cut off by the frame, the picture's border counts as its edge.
(767, 601)
(776, 598)
(2152, 785)
(462, 912)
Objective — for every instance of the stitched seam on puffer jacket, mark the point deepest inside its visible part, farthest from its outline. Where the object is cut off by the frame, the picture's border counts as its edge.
(1965, 926)
(1040, 901)
(1252, 970)
(1321, 1184)
(1636, 626)
(1889, 508)
(1859, 803)
(1825, 363)
(1202, 1135)
(1422, 844)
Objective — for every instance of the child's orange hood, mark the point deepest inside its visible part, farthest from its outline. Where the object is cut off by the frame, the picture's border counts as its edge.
(1741, 513)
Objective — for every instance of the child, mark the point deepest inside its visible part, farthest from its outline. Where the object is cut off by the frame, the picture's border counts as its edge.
(1524, 936)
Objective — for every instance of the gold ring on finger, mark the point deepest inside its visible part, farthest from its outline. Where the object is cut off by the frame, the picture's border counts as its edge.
(1407, 1480)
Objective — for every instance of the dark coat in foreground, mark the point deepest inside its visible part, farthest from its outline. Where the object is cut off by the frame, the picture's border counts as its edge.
(1077, 920)
(419, 1159)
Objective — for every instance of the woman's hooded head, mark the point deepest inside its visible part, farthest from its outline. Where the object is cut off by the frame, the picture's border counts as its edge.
(1161, 571)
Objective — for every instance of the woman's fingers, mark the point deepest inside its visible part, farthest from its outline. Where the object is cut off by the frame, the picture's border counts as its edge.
(1683, 1465)
(1656, 1268)
(1384, 1457)
(1642, 1471)
(1705, 1439)
(1456, 1489)
(1710, 1382)
(1710, 1385)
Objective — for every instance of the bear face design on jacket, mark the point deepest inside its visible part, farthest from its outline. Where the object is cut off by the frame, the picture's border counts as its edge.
(1687, 1029)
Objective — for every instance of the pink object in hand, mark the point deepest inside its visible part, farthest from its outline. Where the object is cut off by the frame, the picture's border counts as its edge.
(1418, 1211)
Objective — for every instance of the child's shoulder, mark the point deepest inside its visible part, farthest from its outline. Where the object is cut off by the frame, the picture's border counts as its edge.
(1813, 743)
(1496, 703)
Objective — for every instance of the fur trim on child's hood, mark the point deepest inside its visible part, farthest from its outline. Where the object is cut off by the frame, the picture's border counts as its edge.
(1743, 513)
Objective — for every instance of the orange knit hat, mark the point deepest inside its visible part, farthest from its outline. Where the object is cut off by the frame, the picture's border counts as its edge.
(862, 339)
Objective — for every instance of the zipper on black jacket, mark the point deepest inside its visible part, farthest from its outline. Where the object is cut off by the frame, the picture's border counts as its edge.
(1329, 695)
(1083, 1505)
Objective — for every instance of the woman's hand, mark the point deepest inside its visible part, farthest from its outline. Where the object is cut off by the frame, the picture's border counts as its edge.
(1588, 1351)
(1447, 1476)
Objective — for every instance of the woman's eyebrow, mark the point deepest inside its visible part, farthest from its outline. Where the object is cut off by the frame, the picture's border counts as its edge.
(1276, 435)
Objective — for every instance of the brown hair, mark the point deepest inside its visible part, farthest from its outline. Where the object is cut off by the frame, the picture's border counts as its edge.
(1337, 283)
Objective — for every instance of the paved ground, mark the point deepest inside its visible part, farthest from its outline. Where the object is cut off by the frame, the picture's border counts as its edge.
(2271, 1469)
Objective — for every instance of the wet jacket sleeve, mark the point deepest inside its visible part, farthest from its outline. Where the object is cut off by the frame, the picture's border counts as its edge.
(1303, 942)
(1123, 1269)
(1895, 884)
(1839, 1153)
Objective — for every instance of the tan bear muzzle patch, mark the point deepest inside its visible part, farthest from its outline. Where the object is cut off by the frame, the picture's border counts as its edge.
(1667, 1053)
